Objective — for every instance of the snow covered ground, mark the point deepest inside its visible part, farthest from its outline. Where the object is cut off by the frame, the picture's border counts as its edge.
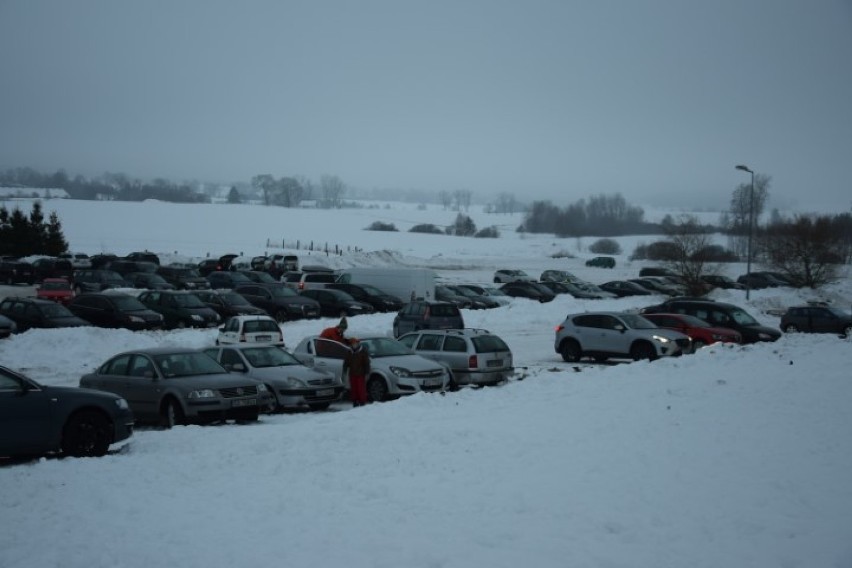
(735, 456)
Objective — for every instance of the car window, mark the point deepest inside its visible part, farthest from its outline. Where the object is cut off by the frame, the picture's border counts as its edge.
(488, 344)
(430, 342)
(331, 349)
(230, 357)
(116, 366)
(408, 340)
(455, 344)
(254, 326)
(140, 365)
(444, 310)
(269, 357)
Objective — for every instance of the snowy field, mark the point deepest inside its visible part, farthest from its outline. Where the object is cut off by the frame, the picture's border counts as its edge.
(735, 456)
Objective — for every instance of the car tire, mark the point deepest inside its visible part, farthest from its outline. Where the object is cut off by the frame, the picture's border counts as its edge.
(642, 351)
(281, 316)
(847, 331)
(86, 434)
(377, 389)
(273, 405)
(570, 351)
(171, 414)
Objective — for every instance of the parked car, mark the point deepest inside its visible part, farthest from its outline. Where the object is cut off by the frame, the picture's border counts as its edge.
(759, 281)
(395, 370)
(33, 313)
(77, 259)
(557, 287)
(250, 329)
(115, 310)
(718, 314)
(148, 281)
(36, 419)
(125, 267)
(259, 276)
(180, 309)
(56, 289)
(624, 288)
(208, 266)
(509, 275)
(170, 386)
(184, 278)
(306, 280)
(724, 282)
(589, 290)
(98, 280)
(604, 335)
(530, 290)
(426, 314)
(477, 301)
(381, 301)
(14, 271)
(144, 256)
(655, 286)
(228, 303)
(699, 331)
(225, 279)
(52, 268)
(291, 384)
(334, 303)
(446, 294)
(99, 261)
(557, 276)
(7, 327)
(279, 301)
(474, 356)
(656, 271)
(601, 262)
(492, 292)
(817, 319)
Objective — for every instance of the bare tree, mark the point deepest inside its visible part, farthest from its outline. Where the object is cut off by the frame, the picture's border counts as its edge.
(266, 184)
(688, 241)
(737, 222)
(807, 249)
(446, 199)
(332, 188)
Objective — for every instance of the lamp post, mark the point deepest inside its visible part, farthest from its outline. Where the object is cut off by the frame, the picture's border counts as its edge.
(750, 230)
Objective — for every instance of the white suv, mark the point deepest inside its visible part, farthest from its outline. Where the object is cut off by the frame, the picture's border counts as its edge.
(475, 356)
(602, 335)
(506, 275)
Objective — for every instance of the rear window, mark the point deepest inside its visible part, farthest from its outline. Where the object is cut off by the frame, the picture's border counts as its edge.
(254, 326)
(489, 344)
(444, 311)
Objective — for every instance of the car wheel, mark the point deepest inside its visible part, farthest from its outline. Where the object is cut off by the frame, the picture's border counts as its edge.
(698, 344)
(377, 390)
(791, 328)
(272, 406)
(847, 331)
(281, 315)
(171, 414)
(570, 351)
(319, 406)
(641, 351)
(86, 433)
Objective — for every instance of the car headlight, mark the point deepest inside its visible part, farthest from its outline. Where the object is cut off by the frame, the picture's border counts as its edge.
(202, 393)
(716, 337)
(135, 319)
(196, 317)
(400, 371)
(661, 339)
(262, 388)
(294, 383)
(764, 336)
(122, 404)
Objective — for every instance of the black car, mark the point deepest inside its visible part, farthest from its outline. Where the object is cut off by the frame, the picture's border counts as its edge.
(180, 309)
(445, 294)
(227, 279)
(144, 256)
(817, 319)
(101, 260)
(184, 278)
(124, 267)
(228, 303)
(33, 313)
(530, 290)
(279, 301)
(148, 281)
(381, 301)
(111, 309)
(424, 314)
(258, 276)
(335, 303)
(477, 301)
(98, 280)
(14, 271)
(723, 282)
(52, 268)
(623, 288)
(36, 419)
(556, 287)
(718, 314)
(759, 281)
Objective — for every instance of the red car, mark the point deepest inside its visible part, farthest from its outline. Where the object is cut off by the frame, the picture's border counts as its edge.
(701, 332)
(56, 289)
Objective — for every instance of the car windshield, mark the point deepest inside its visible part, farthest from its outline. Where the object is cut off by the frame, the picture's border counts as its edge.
(494, 292)
(55, 286)
(383, 347)
(110, 276)
(234, 299)
(489, 344)
(837, 312)
(693, 321)
(637, 322)
(154, 279)
(269, 356)
(282, 292)
(128, 304)
(188, 301)
(462, 291)
(56, 311)
(372, 290)
(743, 318)
(341, 295)
(187, 364)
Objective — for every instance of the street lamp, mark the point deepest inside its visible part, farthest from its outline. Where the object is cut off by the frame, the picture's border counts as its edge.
(750, 230)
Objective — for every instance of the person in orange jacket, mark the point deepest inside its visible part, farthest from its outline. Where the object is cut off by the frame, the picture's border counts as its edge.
(336, 333)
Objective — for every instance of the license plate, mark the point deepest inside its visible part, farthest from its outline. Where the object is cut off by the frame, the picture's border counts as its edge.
(244, 402)
(263, 337)
(431, 383)
(325, 392)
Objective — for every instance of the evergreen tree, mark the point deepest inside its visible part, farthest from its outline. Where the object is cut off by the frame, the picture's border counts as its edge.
(234, 195)
(55, 243)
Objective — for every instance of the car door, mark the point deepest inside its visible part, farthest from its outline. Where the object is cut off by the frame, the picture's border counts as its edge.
(328, 356)
(590, 332)
(26, 416)
(140, 386)
(821, 320)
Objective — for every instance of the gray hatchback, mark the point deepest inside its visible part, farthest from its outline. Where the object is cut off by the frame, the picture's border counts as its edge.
(423, 314)
(475, 356)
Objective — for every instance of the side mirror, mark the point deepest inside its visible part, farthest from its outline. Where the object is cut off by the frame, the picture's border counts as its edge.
(619, 328)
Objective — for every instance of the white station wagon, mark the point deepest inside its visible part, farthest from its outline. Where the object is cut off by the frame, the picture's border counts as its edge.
(250, 329)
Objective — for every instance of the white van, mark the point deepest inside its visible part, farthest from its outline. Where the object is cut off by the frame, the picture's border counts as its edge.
(404, 283)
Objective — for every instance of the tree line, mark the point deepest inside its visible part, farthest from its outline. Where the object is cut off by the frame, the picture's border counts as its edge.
(22, 235)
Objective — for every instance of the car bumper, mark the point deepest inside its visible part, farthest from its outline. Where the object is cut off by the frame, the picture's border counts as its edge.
(305, 398)
(122, 427)
(477, 378)
(245, 408)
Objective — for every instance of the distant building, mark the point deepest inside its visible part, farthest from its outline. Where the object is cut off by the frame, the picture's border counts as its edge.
(33, 193)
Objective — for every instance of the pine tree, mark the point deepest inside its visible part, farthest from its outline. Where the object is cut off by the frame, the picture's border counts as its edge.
(55, 243)
(234, 195)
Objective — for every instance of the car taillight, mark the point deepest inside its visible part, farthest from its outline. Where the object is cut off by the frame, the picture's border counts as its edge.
(428, 313)
(472, 362)
(559, 328)
(301, 285)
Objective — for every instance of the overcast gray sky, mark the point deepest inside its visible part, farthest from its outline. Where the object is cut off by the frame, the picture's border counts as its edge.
(655, 99)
